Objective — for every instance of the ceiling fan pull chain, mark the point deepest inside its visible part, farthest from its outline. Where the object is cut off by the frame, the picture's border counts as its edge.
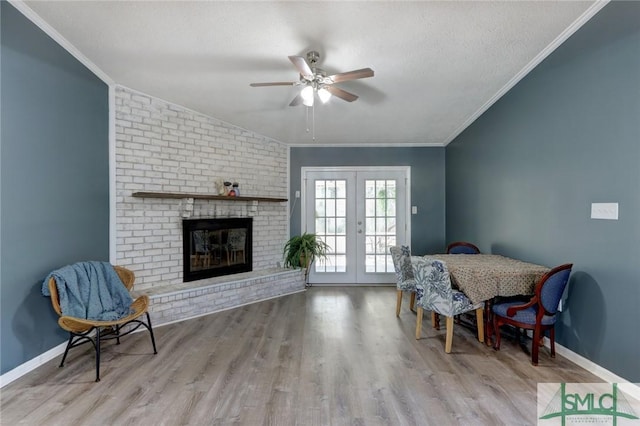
(313, 122)
(306, 111)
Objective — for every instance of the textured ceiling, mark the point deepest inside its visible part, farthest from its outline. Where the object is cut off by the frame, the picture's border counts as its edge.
(437, 64)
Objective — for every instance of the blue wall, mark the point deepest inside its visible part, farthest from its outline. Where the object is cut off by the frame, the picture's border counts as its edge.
(427, 184)
(54, 180)
(521, 180)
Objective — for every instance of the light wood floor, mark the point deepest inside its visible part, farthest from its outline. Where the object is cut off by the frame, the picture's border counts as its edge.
(329, 356)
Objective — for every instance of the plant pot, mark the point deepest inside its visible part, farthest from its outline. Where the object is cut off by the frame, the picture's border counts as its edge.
(304, 262)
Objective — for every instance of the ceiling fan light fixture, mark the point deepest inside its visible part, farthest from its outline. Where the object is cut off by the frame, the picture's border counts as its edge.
(307, 95)
(324, 95)
(314, 79)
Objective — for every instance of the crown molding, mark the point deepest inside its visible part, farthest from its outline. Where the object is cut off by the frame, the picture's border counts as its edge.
(58, 38)
(369, 145)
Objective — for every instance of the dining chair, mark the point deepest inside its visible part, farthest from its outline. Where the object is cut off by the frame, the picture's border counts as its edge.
(462, 247)
(538, 314)
(434, 293)
(94, 304)
(401, 256)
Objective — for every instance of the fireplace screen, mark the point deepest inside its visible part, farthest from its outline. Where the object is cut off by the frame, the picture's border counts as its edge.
(215, 247)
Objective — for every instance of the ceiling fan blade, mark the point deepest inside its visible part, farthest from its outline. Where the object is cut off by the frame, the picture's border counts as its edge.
(351, 75)
(277, 83)
(296, 101)
(342, 94)
(302, 65)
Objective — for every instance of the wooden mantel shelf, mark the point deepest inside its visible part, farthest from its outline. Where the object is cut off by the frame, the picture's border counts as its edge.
(204, 197)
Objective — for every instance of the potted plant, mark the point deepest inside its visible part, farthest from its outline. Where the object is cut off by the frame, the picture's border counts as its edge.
(301, 250)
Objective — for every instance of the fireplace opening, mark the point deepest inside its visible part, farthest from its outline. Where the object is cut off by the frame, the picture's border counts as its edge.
(215, 247)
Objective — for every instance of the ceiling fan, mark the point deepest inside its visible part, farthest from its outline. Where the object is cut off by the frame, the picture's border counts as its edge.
(316, 81)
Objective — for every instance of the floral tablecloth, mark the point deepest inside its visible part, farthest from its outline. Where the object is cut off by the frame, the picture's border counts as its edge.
(484, 276)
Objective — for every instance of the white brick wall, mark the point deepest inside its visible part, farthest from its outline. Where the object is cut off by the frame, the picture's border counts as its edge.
(164, 147)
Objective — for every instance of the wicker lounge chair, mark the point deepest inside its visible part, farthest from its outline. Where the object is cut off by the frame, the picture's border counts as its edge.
(81, 330)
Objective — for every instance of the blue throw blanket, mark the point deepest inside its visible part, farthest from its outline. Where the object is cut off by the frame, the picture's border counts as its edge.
(90, 290)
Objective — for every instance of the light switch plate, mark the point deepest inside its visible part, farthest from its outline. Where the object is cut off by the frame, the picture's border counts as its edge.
(604, 211)
(414, 209)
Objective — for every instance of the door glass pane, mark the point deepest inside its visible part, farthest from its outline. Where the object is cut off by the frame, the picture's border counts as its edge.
(370, 244)
(370, 205)
(320, 265)
(380, 229)
(391, 208)
(391, 241)
(330, 240)
(330, 207)
(370, 263)
(391, 189)
(381, 207)
(320, 210)
(370, 189)
(330, 222)
(371, 226)
(391, 226)
(331, 189)
(331, 226)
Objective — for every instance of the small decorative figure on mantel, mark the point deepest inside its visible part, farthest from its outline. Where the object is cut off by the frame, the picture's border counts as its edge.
(220, 187)
(227, 188)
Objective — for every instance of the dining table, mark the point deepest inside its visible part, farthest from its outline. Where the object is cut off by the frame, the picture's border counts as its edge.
(483, 277)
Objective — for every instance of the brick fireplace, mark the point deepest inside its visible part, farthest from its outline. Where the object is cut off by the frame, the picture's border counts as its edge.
(165, 148)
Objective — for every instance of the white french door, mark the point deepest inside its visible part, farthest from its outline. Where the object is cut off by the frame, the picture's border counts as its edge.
(359, 212)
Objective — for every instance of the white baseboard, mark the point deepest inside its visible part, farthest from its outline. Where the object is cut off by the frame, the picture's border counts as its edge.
(633, 389)
(32, 364)
(589, 365)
